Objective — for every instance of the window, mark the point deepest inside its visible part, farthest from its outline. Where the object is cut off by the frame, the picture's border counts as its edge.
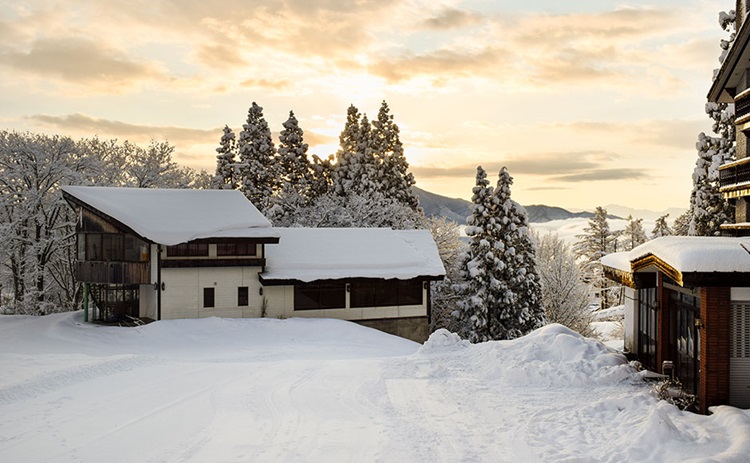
(94, 246)
(188, 250)
(385, 293)
(236, 249)
(208, 297)
(242, 298)
(135, 249)
(311, 296)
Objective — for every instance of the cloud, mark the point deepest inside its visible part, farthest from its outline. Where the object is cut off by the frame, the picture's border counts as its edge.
(89, 126)
(567, 167)
(445, 62)
(269, 84)
(604, 174)
(679, 134)
(80, 61)
(450, 18)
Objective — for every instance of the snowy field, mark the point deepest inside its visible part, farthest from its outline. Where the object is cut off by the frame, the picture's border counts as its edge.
(266, 390)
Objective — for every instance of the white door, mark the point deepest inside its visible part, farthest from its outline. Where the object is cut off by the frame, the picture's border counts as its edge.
(739, 356)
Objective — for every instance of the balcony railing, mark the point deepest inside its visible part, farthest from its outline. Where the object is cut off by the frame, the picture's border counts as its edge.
(742, 107)
(121, 273)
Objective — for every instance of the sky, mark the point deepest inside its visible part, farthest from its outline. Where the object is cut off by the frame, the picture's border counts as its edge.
(588, 103)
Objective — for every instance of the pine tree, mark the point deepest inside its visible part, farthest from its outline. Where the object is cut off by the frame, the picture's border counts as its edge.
(294, 166)
(681, 225)
(295, 175)
(479, 265)
(258, 178)
(596, 242)
(322, 173)
(526, 312)
(501, 294)
(392, 177)
(661, 228)
(633, 235)
(708, 208)
(344, 175)
(224, 179)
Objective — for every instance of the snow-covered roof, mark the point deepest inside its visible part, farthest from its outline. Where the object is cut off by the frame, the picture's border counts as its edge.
(689, 254)
(308, 254)
(173, 216)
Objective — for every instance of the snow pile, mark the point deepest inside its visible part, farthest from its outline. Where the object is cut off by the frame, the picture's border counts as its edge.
(442, 341)
(550, 356)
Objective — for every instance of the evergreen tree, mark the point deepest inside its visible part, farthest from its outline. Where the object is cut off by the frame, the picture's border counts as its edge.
(681, 225)
(661, 228)
(633, 235)
(345, 174)
(258, 178)
(525, 312)
(392, 176)
(501, 293)
(293, 163)
(596, 242)
(322, 173)
(295, 172)
(225, 162)
(479, 265)
(708, 208)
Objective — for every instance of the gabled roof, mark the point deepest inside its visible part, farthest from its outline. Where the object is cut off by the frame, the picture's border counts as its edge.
(309, 254)
(174, 216)
(688, 259)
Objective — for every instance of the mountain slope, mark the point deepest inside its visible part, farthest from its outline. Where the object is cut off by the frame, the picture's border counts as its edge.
(457, 209)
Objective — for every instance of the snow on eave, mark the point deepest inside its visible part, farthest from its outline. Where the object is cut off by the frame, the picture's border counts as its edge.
(617, 261)
(310, 254)
(173, 216)
(698, 253)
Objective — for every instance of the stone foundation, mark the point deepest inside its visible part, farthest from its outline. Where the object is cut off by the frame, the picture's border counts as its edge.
(413, 328)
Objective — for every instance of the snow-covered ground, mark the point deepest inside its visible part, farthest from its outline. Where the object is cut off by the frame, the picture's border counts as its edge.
(225, 390)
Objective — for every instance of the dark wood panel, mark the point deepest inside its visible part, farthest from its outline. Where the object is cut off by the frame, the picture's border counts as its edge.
(122, 273)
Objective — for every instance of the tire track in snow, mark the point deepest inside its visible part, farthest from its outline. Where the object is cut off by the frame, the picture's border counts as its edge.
(59, 379)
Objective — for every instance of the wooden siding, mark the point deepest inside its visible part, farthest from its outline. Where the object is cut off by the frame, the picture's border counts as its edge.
(120, 273)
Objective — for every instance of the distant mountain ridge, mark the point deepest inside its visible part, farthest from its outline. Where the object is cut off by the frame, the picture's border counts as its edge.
(458, 210)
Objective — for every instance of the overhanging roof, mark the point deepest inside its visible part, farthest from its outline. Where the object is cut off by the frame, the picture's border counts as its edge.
(734, 65)
(687, 260)
(174, 216)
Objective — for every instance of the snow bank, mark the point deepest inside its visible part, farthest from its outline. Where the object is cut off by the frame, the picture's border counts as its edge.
(550, 356)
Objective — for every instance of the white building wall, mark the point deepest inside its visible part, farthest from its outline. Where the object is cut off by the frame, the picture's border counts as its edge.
(182, 296)
(739, 294)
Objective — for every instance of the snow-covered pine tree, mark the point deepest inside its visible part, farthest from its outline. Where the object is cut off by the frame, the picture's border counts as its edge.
(681, 225)
(565, 297)
(256, 168)
(224, 179)
(661, 228)
(479, 265)
(344, 174)
(392, 175)
(596, 241)
(522, 311)
(295, 173)
(708, 208)
(322, 171)
(633, 235)
(293, 163)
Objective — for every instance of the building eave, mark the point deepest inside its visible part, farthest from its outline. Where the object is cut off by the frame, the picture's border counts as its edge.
(724, 85)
